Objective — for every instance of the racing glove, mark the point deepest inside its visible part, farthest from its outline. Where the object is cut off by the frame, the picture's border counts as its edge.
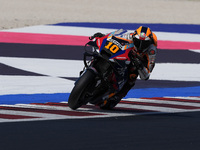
(143, 72)
(138, 64)
(135, 60)
(98, 34)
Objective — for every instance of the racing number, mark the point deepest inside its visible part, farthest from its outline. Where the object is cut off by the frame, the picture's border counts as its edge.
(112, 47)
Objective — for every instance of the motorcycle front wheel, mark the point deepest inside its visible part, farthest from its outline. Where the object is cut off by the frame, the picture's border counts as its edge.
(76, 98)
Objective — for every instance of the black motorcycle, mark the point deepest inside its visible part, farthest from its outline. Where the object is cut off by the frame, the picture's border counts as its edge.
(106, 60)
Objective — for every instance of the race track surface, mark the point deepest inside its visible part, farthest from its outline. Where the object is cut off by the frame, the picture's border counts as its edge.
(178, 131)
(39, 65)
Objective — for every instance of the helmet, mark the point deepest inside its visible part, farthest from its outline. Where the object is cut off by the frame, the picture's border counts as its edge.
(142, 38)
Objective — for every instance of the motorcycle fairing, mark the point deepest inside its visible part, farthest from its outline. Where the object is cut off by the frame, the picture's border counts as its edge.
(118, 47)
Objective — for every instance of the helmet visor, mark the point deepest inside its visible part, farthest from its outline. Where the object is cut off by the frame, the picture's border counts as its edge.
(141, 45)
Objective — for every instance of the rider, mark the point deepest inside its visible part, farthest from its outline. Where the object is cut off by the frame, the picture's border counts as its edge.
(143, 60)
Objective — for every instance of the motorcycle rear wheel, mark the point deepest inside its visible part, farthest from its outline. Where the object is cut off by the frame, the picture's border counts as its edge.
(76, 98)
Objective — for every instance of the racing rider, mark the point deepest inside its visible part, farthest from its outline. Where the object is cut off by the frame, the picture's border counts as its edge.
(143, 60)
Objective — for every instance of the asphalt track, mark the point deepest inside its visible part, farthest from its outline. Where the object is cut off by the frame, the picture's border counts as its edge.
(141, 130)
(178, 131)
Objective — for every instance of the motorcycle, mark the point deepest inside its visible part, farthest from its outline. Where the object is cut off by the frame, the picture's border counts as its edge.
(106, 61)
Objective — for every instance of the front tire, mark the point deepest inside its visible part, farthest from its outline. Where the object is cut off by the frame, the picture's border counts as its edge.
(76, 98)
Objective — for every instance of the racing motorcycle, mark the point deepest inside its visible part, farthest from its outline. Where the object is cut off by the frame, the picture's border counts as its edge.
(106, 61)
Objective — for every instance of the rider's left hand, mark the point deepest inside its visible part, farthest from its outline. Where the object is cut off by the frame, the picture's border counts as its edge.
(98, 34)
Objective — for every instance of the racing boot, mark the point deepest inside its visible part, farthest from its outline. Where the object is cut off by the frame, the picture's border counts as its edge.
(110, 102)
(114, 100)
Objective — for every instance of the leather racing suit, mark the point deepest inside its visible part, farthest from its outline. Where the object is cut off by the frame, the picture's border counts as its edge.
(142, 65)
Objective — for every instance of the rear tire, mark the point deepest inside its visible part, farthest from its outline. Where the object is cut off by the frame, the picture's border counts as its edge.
(76, 98)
